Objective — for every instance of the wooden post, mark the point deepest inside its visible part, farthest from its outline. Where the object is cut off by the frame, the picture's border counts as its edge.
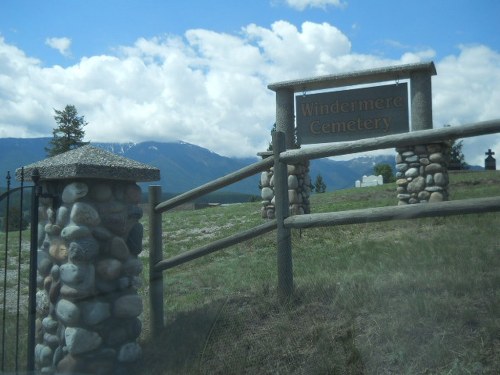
(155, 256)
(285, 119)
(284, 243)
(421, 100)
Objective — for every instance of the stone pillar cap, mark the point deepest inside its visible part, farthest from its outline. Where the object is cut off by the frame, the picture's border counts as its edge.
(90, 162)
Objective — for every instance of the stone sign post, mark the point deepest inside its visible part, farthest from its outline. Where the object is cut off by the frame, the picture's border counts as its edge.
(89, 238)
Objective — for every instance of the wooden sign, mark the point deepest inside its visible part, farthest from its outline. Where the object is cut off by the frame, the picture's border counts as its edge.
(350, 115)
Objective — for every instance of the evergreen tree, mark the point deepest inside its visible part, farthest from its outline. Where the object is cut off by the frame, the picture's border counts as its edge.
(386, 171)
(69, 133)
(455, 156)
(319, 185)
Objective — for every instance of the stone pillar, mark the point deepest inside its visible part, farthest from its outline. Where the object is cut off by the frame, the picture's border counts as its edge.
(88, 306)
(299, 189)
(422, 174)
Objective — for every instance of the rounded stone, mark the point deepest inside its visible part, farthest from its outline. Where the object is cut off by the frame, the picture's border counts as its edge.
(43, 355)
(293, 182)
(52, 229)
(74, 191)
(433, 148)
(74, 232)
(402, 167)
(67, 312)
(264, 179)
(407, 154)
(83, 249)
(135, 212)
(402, 182)
(429, 180)
(71, 365)
(80, 340)
(58, 249)
(267, 193)
(128, 306)
(129, 352)
(412, 172)
(51, 340)
(101, 192)
(420, 150)
(84, 214)
(44, 263)
(433, 168)
(436, 157)
(95, 312)
(436, 196)
(42, 302)
(440, 179)
(293, 197)
(102, 233)
(62, 217)
(424, 195)
(134, 239)
(424, 161)
(78, 276)
(416, 185)
(119, 249)
(133, 194)
(109, 268)
(50, 325)
(411, 159)
(132, 267)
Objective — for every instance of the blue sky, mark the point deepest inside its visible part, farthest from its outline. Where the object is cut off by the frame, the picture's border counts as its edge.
(198, 71)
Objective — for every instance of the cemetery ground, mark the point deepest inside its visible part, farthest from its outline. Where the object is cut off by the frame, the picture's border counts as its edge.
(404, 297)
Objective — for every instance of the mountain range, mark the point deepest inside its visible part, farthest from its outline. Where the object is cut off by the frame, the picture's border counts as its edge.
(184, 166)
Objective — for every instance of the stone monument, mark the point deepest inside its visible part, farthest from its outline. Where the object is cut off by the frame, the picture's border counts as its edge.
(89, 238)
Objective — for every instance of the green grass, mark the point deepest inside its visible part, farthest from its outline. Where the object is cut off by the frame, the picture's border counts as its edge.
(403, 297)
(15, 326)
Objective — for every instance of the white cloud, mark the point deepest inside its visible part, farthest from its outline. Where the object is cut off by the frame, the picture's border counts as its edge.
(210, 88)
(61, 44)
(303, 4)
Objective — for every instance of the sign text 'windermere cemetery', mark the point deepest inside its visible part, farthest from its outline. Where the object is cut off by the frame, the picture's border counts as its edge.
(352, 114)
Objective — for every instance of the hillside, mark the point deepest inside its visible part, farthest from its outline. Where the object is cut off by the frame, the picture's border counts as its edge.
(184, 166)
(403, 297)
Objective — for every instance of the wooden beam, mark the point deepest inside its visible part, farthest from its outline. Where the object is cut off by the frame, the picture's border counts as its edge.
(413, 211)
(215, 246)
(392, 141)
(221, 182)
(391, 73)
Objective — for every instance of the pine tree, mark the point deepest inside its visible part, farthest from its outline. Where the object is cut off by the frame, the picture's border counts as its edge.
(69, 133)
(319, 185)
(386, 171)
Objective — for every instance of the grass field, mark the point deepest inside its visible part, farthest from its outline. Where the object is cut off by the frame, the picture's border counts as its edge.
(402, 297)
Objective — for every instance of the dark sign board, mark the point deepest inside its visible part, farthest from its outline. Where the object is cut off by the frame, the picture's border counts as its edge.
(352, 114)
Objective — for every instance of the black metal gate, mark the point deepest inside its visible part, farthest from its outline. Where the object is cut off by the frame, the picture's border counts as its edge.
(18, 212)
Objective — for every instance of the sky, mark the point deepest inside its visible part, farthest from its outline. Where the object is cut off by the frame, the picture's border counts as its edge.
(197, 71)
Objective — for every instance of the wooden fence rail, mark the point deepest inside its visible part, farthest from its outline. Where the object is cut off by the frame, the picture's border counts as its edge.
(392, 141)
(284, 223)
(413, 211)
